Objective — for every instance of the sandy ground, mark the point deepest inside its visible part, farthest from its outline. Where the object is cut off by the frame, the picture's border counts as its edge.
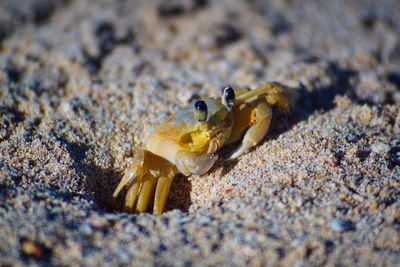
(82, 82)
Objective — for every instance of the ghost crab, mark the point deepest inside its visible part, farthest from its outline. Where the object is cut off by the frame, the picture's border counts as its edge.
(188, 141)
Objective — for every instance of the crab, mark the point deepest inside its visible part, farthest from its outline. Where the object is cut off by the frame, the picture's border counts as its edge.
(189, 140)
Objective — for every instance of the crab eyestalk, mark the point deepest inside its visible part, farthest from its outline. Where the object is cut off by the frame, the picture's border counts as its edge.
(228, 97)
(200, 111)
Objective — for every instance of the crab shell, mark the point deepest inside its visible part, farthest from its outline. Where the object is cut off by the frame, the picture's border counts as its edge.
(190, 144)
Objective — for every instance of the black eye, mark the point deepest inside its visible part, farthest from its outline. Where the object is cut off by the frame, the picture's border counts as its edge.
(200, 111)
(228, 97)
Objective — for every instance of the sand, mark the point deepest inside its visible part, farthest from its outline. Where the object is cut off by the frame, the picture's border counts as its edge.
(83, 82)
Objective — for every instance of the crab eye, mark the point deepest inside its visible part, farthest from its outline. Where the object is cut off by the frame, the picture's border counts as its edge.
(228, 97)
(200, 111)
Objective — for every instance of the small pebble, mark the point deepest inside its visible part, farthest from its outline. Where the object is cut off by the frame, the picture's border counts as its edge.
(86, 229)
(380, 148)
(34, 249)
(339, 225)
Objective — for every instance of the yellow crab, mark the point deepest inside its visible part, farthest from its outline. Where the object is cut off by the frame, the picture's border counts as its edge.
(188, 141)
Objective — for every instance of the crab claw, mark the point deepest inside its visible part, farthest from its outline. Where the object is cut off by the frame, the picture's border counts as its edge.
(257, 131)
(191, 163)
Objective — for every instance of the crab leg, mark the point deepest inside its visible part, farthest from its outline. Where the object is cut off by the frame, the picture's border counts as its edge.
(146, 192)
(132, 179)
(257, 131)
(162, 190)
(133, 173)
(275, 94)
(131, 196)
